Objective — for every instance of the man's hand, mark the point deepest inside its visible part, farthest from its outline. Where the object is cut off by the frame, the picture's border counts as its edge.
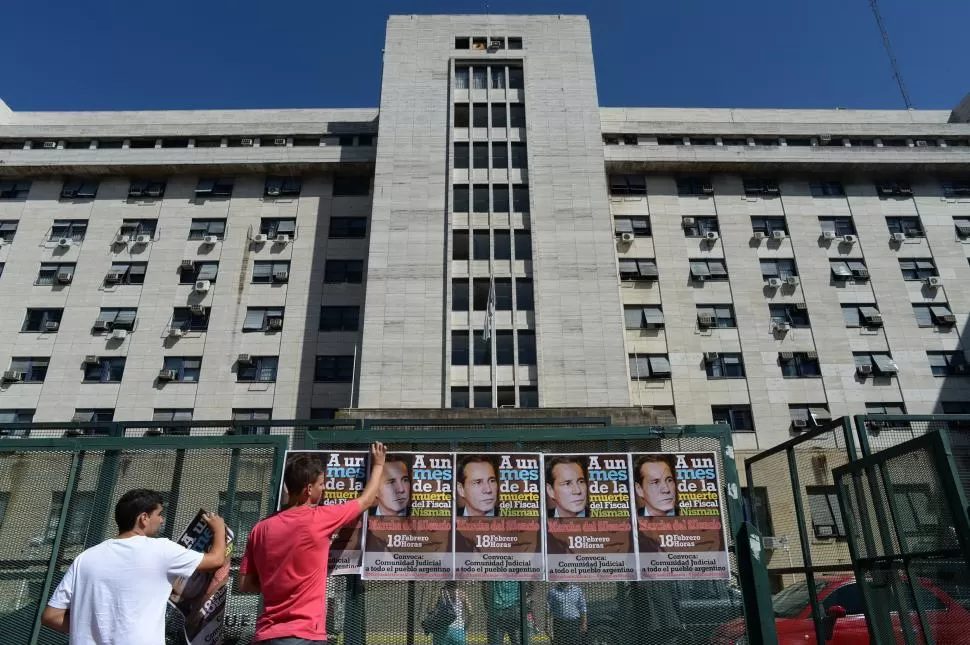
(378, 453)
(216, 556)
(214, 521)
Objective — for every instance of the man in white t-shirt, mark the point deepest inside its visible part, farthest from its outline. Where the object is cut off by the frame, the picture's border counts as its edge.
(115, 593)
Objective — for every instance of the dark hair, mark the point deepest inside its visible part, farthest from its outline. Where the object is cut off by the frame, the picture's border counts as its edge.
(400, 459)
(134, 503)
(476, 459)
(653, 458)
(301, 471)
(582, 462)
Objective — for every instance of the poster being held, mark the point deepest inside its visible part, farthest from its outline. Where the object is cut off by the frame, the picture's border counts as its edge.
(589, 527)
(409, 533)
(498, 517)
(680, 517)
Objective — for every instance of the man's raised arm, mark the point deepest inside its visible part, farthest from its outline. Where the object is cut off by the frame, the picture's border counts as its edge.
(368, 496)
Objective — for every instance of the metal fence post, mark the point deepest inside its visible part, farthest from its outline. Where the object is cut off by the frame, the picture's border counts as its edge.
(806, 550)
(758, 617)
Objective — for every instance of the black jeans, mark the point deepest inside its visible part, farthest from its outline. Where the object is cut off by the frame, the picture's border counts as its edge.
(566, 632)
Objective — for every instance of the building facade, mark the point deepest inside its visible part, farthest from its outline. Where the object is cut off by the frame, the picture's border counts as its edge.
(489, 237)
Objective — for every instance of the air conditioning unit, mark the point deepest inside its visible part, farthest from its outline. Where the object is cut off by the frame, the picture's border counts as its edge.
(707, 189)
(210, 239)
(875, 320)
(772, 189)
(65, 242)
(921, 143)
(51, 325)
(274, 323)
(186, 265)
(945, 319)
(711, 356)
(197, 310)
(281, 276)
(774, 283)
(813, 356)
(863, 370)
(50, 145)
(90, 359)
(687, 221)
(246, 142)
(904, 190)
(68, 193)
(759, 235)
(801, 306)
(112, 277)
(711, 236)
(175, 332)
(244, 359)
(13, 375)
(154, 192)
(202, 286)
(274, 191)
(705, 320)
(825, 138)
(122, 239)
(786, 356)
(828, 235)
(627, 238)
(849, 239)
(861, 273)
(65, 277)
(119, 334)
(799, 423)
(279, 141)
(898, 237)
(167, 375)
(779, 326)
(282, 238)
(778, 235)
(495, 44)
(934, 281)
(260, 238)
(101, 325)
(792, 281)
(143, 239)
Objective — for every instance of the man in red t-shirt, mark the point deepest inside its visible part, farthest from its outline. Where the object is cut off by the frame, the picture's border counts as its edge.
(286, 555)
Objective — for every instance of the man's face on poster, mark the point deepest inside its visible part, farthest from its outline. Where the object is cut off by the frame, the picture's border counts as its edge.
(568, 489)
(479, 488)
(657, 487)
(395, 490)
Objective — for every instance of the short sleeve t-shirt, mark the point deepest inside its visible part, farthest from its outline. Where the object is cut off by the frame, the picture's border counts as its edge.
(116, 591)
(288, 552)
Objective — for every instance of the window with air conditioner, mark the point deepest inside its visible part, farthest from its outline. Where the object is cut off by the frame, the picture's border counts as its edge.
(74, 188)
(71, 229)
(282, 187)
(126, 273)
(694, 186)
(837, 226)
(795, 315)
(198, 271)
(14, 190)
(799, 365)
(186, 368)
(268, 271)
(135, 227)
(768, 225)
(273, 226)
(42, 320)
(779, 268)
(30, 369)
(827, 189)
(203, 228)
(708, 270)
(716, 316)
(146, 189)
(106, 369)
(934, 314)
(908, 226)
(724, 365)
(214, 188)
(636, 226)
(738, 417)
(914, 269)
(111, 318)
(259, 369)
(760, 187)
(190, 318)
(700, 226)
(263, 319)
(246, 420)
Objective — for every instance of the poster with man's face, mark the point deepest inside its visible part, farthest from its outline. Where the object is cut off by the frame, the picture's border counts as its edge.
(589, 527)
(498, 516)
(680, 516)
(409, 532)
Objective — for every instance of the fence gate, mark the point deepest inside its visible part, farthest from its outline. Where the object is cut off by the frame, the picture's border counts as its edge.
(906, 520)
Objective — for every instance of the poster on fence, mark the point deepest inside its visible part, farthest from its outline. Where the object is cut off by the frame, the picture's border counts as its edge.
(409, 532)
(498, 516)
(344, 477)
(201, 598)
(680, 516)
(589, 523)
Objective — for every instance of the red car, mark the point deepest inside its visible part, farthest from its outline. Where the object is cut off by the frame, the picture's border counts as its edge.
(842, 601)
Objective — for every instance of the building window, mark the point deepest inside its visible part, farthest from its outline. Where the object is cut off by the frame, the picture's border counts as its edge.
(42, 320)
(323, 413)
(754, 187)
(505, 347)
(479, 78)
(135, 227)
(956, 189)
(14, 189)
(778, 268)
(340, 318)
(208, 142)
(126, 273)
(931, 315)
(637, 226)
(908, 226)
(459, 398)
(32, 369)
(16, 416)
(459, 348)
(168, 415)
(500, 198)
(481, 351)
(343, 272)
(80, 189)
(505, 397)
(631, 270)
(528, 397)
(461, 200)
(894, 189)
(459, 245)
(839, 226)
(351, 186)
(461, 75)
(962, 225)
(245, 512)
(78, 518)
(694, 186)
(116, 318)
(861, 315)
(503, 244)
(708, 270)
(259, 369)
(738, 417)
(71, 229)
(92, 415)
(185, 368)
(202, 228)
(527, 348)
(524, 297)
(480, 245)
(799, 365)
(269, 271)
(462, 112)
(247, 417)
(500, 154)
(8, 230)
(480, 198)
(516, 115)
(198, 271)
(716, 316)
(480, 115)
(498, 77)
(482, 397)
(107, 369)
(849, 270)
(795, 315)
(523, 245)
(948, 363)
(334, 369)
(481, 289)
(628, 185)
(146, 189)
(875, 363)
(282, 187)
(273, 226)
(643, 317)
(722, 365)
(699, 226)
(809, 415)
(214, 187)
(515, 42)
(263, 319)
(827, 189)
(823, 504)
(768, 225)
(648, 367)
(459, 295)
(499, 119)
(480, 155)
(461, 157)
(917, 270)
(194, 318)
(516, 80)
(520, 155)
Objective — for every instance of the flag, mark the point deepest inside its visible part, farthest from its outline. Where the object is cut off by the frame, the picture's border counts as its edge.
(490, 312)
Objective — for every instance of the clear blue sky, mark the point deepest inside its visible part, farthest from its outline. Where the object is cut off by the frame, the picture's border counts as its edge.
(109, 54)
